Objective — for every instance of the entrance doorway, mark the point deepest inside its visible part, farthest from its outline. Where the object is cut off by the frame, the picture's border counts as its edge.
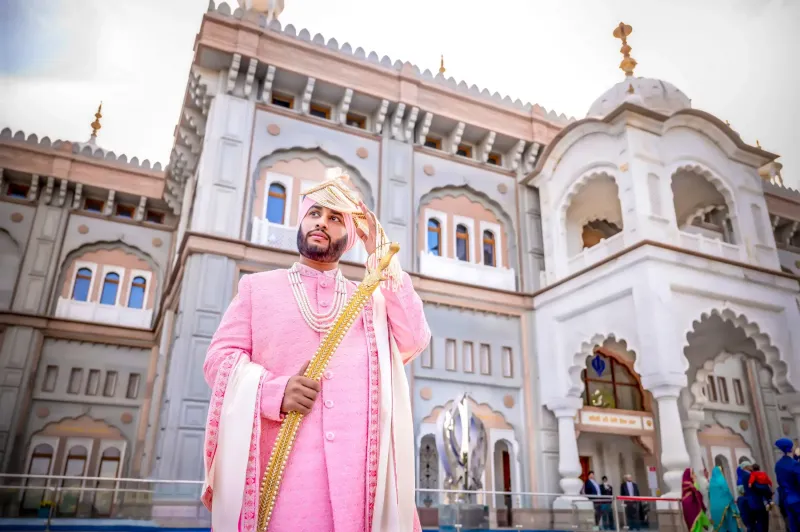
(586, 466)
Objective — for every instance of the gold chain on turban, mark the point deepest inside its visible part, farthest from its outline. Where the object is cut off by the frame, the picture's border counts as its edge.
(334, 194)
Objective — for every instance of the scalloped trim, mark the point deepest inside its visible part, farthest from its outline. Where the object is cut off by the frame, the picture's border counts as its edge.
(751, 330)
(586, 350)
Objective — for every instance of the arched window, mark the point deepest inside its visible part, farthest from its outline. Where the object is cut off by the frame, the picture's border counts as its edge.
(462, 242)
(276, 203)
(40, 464)
(74, 466)
(108, 468)
(434, 237)
(110, 286)
(609, 384)
(83, 280)
(138, 290)
(489, 258)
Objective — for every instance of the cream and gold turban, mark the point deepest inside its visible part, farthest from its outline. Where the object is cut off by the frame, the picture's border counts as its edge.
(335, 194)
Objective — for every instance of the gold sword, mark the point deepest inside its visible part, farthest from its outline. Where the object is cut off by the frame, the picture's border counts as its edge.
(273, 475)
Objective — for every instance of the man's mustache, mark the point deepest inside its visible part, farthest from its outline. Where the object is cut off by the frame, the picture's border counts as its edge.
(318, 231)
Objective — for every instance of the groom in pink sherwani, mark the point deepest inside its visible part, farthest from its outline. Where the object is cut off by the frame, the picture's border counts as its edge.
(340, 476)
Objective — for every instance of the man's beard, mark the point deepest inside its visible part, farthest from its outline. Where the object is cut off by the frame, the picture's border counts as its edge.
(332, 253)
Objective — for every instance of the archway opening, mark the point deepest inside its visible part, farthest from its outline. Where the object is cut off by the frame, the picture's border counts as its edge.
(593, 215)
(700, 208)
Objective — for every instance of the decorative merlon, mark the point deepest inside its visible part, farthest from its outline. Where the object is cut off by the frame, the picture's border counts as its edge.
(34, 187)
(233, 72)
(266, 93)
(344, 106)
(485, 147)
(454, 138)
(305, 104)
(251, 73)
(514, 155)
(76, 199)
(397, 117)
(48, 189)
(380, 116)
(109, 208)
(408, 128)
(424, 127)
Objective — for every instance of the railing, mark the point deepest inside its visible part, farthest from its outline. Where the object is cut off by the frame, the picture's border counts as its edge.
(467, 272)
(97, 312)
(74, 501)
(709, 246)
(605, 248)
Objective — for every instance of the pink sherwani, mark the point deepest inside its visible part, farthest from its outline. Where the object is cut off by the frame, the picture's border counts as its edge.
(330, 480)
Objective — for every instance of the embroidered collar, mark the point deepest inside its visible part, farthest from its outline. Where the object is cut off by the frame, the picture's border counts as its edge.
(306, 271)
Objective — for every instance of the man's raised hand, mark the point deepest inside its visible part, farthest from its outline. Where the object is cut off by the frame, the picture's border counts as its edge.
(300, 393)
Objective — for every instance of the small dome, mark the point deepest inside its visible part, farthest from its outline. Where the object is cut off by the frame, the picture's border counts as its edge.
(654, 94)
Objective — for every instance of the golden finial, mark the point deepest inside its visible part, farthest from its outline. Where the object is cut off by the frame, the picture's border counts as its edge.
(727, 123)
(96, 124)
(441, 65)
(758, 144)
(628, 63)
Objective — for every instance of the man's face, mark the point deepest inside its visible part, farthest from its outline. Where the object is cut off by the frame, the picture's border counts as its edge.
(322, 235)
(591, 476)
(628, 478)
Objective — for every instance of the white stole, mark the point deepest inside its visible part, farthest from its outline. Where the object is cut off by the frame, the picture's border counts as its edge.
(394, 497)
(226, 475)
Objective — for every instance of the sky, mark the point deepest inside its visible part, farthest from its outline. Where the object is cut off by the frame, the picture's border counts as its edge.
(737, 59)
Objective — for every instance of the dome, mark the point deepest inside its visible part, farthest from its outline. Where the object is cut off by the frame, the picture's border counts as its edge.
(654, 94)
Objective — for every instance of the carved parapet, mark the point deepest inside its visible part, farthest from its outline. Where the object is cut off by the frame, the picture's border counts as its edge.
(289, 30)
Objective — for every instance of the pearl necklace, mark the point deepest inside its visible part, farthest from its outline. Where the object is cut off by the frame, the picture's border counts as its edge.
(320, 323)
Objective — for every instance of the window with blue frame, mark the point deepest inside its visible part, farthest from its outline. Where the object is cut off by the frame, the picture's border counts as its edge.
(138, 290)
(434, 237)
(110, 286)
(276, 203)
(83, 280)
(489, 258)
(462, 243)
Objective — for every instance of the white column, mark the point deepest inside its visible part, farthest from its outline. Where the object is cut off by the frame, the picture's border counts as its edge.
(674, 457)
(569, 464)
(690, 434)
(795, 411)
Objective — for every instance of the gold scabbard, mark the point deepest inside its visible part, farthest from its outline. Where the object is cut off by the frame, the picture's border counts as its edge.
(273, 475)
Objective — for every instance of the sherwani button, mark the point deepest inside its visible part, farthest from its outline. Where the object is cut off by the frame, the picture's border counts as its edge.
(329, 436)
(323, 284)
(328, 374)
(323, 304)
(329, 403)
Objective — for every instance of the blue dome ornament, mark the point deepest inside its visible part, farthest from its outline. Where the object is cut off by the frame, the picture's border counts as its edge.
(598, 364)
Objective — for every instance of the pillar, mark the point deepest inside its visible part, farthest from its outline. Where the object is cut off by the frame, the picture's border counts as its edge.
(569, 464)
(690, 434)
(674, 456)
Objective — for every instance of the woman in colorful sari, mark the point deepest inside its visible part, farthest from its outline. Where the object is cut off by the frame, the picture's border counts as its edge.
(694, 510)
(724, 513)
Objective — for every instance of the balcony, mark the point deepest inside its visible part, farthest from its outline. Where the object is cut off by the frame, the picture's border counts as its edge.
(596, 253)
(110, 314)
(709, 246)
(266, 233)
(467, 272)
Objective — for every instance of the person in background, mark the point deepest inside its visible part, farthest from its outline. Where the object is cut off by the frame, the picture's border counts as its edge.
(724, 513)
(694, 509)
(592, 490)
(633, 509)
(759, 499)
(742, 489)
(607, 509)
(787, 473)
